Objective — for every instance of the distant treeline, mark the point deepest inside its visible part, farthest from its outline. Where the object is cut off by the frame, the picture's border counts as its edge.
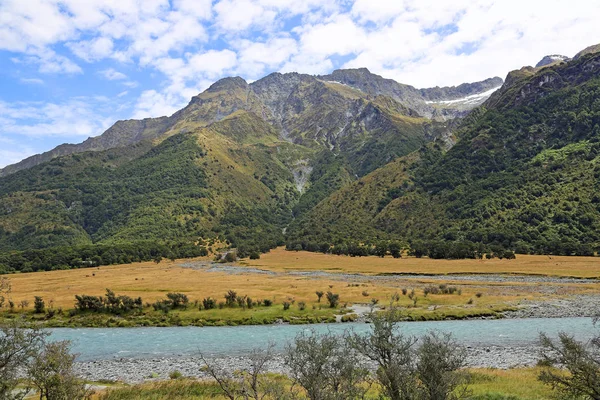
(433, 249)
(96, 255)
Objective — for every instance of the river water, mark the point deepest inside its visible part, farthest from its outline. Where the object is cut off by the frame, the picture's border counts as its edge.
(110, 343)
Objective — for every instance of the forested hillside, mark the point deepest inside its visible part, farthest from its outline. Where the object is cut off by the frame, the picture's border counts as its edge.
(524, 175)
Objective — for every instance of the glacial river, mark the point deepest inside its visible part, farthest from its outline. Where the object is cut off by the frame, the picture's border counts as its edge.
(110, 343)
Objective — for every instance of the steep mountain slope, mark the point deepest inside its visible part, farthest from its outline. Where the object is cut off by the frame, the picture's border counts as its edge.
(524, 175)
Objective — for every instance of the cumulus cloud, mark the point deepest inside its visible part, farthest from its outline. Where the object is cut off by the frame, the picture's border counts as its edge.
(182, 46)
(81, 117)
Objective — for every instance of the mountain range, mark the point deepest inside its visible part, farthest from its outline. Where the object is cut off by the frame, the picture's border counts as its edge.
(320, 161)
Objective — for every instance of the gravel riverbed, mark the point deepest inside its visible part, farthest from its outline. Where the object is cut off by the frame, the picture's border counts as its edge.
(139, 370)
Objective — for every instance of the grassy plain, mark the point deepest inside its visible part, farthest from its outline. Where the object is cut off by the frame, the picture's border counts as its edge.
(561, 266)
(294, 277)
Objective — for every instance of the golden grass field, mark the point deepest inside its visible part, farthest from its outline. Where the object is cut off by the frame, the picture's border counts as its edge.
(281, 260)
(152, 281)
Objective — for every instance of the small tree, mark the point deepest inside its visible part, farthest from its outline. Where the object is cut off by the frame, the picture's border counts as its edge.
(326, 367)
(393, 354)
(439, 368)
(251, 382)
(319, 295)
(333, 299)
(17, 347)
(581, 360)
(38, 305)
(52, 374)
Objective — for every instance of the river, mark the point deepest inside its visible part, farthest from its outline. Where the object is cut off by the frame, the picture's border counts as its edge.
(93, 344)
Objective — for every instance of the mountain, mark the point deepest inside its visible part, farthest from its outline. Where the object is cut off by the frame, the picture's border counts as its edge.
(239, 161)
(523, 175)
(272, 95)
(340, 159)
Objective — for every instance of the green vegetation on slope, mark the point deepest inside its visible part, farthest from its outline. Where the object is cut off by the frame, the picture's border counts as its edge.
(522, 177)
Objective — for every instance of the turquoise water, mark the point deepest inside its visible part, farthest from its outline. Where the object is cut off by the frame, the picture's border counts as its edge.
(108, 343)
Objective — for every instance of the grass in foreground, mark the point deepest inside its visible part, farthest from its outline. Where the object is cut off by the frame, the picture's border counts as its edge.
(486, 384)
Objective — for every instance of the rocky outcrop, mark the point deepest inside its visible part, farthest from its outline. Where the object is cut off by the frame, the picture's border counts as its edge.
(551, 59)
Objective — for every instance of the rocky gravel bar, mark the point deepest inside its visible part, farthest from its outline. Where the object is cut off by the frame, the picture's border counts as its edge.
(140, 370)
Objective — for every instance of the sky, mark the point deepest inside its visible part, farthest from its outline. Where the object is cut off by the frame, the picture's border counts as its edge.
(70, 68)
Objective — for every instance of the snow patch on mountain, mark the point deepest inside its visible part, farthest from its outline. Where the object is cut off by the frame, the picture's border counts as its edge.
(473, 99)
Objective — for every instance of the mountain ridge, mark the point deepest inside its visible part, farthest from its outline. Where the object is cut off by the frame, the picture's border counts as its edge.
(128, 132)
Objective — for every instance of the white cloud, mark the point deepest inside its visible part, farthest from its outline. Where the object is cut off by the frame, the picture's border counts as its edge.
(92, 50)
(239, 15)
(112, 75)
(76, 117)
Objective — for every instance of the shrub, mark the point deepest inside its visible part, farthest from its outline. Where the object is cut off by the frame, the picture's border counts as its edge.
(478, 294)
(404, 291)
(178, 300)
(301, 305)
(230, 298)
(209, 303)
(286, 305)
(175, 375)
(326, 367)
(333, 299)
(255, 255)
(249, 302)
(267, 302)
(365, 293)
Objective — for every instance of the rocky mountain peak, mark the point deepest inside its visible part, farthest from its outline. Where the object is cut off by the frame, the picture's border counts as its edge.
(550, 59)
(228, 84)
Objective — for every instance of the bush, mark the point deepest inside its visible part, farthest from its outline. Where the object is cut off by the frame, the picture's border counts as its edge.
(178, 300)
(38, 305)
(286, 305)
(333, 299)
(326, 367)
(209, 303)
(175, 375)
(230, 298)
(301, 305)
(267, 302)
(319, 295)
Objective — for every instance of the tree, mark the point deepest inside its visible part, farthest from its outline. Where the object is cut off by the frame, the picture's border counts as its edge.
(251, 382)
(581, 360)
(393, 354)
(51, 373)
(319, 295)
(333, 299)
(17, 347)
(326, 367)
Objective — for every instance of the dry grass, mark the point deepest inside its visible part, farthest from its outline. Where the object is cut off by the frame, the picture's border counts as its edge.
(281, 260)
(153, 281)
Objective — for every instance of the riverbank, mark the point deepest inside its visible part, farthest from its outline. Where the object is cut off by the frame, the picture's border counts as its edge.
(139, 370)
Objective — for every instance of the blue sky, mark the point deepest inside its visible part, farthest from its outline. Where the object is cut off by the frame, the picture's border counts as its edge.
(70, 68)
